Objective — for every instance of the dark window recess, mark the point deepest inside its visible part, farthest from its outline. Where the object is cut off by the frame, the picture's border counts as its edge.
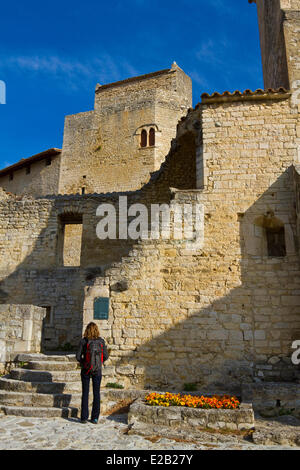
(47, 318)
(276, 242)
(144, 138)
(101, 308)
(28, 169)
(152, 137)
(48, 161)
(11, 176)
(83, 190)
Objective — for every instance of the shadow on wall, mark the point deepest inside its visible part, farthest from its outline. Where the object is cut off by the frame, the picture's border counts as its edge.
(221, 315)
(224, 315)
(42, 279)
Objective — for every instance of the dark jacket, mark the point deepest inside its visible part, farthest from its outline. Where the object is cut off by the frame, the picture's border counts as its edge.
(80, 355)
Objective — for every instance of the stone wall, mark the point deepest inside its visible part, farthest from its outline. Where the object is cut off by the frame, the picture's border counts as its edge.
(279, 22)
(190, 418)
(221, 312)
(21, 328)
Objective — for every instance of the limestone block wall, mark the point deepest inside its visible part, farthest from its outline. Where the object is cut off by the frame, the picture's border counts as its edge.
(223, 312)
(21, 328)
(279, 37)
(228, 312)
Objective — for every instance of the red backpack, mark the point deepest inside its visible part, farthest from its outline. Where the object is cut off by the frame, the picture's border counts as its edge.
(93, 359)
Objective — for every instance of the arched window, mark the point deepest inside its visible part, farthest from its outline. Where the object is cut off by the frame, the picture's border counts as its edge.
(152, 137)
(144, 138)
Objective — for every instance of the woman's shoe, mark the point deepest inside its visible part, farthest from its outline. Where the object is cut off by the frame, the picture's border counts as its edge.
(94, 421)
(83, 421)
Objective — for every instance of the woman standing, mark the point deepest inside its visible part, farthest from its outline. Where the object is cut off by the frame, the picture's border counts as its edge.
(91, 354)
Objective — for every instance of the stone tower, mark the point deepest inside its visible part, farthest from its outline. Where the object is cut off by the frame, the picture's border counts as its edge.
(279, 26)
(127, 136)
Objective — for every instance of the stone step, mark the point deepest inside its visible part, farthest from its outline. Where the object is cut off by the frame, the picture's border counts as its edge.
(51, 365)
(27, 357)
(57, 400)
(10, 384)
(30, 375)
(40, 412)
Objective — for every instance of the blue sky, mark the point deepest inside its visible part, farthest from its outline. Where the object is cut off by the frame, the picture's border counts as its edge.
(52, 55)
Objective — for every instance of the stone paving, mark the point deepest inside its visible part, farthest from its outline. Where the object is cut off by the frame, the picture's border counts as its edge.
(111, 433)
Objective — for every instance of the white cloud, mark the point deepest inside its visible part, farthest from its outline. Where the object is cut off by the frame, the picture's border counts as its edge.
(70, 72)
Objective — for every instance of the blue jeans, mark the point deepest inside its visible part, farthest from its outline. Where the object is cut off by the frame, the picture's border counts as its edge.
(85, 381)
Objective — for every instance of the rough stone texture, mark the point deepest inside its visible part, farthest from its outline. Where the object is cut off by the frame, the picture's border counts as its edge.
(21, 327)
(176, 416)
(221, 312)
(102, 148)
(112, 434)
(217, 312)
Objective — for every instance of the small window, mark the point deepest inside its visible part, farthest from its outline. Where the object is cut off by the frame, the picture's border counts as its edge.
(144, 138)
(48, 161)
(47, 319)
(152, 137)
(276, 242)
(11, 176)
(28, 169)
(70, 240)
(83, 190)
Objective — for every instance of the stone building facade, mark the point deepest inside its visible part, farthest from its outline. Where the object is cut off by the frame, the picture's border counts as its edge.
(219, 309)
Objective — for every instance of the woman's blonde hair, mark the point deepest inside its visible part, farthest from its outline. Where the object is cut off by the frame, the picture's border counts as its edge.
(91, 331)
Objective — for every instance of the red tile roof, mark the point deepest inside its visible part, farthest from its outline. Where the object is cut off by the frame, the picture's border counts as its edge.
(259, 94)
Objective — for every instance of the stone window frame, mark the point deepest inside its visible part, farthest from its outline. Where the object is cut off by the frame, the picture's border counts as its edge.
(255, 237)
(147, 128)
(144, 139)
(51, 316)
(67, 218)
(272, 248)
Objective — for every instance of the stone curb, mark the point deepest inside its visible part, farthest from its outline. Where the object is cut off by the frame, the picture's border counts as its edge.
(239, 419)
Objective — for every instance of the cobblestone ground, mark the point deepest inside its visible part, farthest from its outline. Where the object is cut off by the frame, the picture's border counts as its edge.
(17, 433)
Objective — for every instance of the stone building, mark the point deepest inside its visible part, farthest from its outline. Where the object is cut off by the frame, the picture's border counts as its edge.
(116, 146)
(221, 309)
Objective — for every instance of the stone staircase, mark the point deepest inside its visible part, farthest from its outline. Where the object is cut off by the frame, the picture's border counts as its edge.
(45, 386)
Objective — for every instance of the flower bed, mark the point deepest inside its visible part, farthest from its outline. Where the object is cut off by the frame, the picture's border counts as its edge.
(191, 412)
(170, 399)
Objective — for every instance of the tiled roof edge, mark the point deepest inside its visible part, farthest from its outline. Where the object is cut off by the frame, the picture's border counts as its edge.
(26, 161)
(259, 94)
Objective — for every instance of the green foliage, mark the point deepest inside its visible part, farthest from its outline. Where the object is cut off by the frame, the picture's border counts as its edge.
(114, 385)
(22, 364)
(190, 387)
(284, 412)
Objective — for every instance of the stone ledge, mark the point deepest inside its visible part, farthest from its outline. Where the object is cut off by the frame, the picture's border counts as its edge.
(174, 416)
